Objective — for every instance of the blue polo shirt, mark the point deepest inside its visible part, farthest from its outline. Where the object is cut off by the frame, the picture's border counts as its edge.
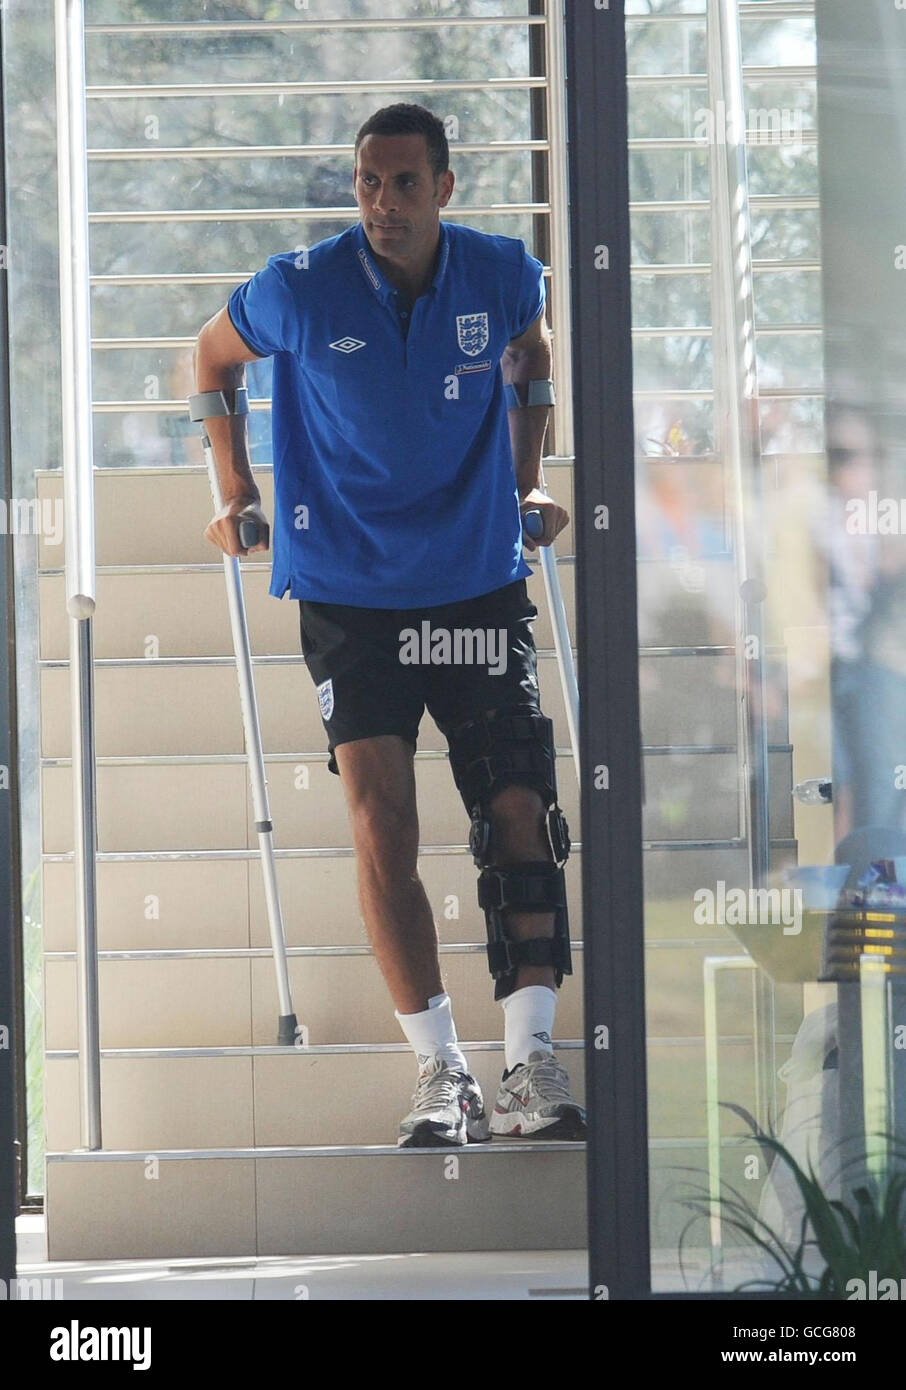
(394, 481)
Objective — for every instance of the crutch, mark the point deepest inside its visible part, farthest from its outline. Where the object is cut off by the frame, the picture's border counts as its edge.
(286, 1031)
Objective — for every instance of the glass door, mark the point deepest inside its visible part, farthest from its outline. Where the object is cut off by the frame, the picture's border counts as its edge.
(741, 525)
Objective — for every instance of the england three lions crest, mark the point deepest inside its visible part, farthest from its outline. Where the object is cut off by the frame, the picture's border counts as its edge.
(325, 698)
(472, 333)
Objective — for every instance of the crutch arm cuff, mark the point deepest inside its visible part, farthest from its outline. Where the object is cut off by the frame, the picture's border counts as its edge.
(229, 400)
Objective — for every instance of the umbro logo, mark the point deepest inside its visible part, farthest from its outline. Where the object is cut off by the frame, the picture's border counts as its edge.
(347, 344)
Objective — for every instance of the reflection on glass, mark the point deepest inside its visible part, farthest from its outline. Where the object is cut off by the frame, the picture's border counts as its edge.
(768, 1010)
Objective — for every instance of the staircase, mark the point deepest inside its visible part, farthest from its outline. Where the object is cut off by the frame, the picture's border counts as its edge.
(259, 1148)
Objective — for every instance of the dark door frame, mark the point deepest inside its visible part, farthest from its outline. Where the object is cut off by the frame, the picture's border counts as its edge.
(607, 637)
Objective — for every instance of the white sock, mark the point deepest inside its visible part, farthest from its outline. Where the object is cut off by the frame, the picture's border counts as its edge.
(432, 1033)
(528, 1022)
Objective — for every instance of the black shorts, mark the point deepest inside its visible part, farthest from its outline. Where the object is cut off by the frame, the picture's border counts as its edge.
(485, 654)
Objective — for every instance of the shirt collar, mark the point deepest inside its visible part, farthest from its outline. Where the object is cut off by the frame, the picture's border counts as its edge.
(378, 282)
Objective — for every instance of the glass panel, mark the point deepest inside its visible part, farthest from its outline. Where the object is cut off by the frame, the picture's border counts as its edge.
(319, 56)
(656, 112)
(660, 48)
(135, 185)
(34, 310)
(770, 584)
(222, 119)
(772, 42)
(122, 186)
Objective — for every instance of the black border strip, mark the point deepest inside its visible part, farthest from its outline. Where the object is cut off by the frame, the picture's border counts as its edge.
(607, 635)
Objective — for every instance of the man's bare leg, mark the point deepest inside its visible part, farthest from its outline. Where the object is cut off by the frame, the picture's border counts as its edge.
(378, 778)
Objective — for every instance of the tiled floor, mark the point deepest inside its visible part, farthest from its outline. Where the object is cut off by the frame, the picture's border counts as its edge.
(544, 1275)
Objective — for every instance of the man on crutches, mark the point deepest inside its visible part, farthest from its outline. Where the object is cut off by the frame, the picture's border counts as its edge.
(411, 390)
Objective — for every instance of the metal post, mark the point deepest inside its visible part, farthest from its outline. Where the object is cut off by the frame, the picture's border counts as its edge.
(555, 65)
(738, 442)
(78, 501)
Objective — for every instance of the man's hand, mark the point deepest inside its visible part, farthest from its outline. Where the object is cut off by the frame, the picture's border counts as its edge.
(223, 529)
(555, 518)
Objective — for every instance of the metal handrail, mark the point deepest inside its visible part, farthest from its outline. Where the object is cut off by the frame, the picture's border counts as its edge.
(555, 68)
(380, 86)
(765, 201)
(780, 330)
(738, 430)
(643, 144)
(778, 73)
(339, 151)
(259, 26)
(299, 214)
(78, 496)
(769, 266)
(736, 398)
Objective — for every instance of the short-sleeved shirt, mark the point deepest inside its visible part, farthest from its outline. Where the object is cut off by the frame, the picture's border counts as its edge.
(394, 480)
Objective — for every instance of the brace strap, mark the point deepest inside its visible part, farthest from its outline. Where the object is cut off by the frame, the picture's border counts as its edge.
(533, 887)
(505, 956)
(518, 749)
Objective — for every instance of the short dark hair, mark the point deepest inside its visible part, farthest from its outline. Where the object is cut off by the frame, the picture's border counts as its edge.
(407, 118)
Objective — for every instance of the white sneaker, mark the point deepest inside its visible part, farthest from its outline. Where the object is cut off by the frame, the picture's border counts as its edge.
(534, 1102)
(447, 1110)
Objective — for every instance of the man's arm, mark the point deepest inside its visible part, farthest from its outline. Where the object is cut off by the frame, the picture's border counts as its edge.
(529, 358)
(218, 360)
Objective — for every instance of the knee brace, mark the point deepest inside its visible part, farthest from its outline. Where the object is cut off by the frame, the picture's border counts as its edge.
(514, 746)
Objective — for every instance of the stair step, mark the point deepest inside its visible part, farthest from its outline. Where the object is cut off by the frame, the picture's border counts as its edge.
(160, 709)
(209, 900)
(153, 708)
(205, 1097)
(184, 609)
(199, 904)
(212, 1002)
(299, 1098)
(215, 1002)
(288, 1201)
(174, 803)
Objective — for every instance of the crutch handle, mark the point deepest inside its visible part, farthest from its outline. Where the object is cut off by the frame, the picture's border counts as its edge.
(248, 533)
(533, 523)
